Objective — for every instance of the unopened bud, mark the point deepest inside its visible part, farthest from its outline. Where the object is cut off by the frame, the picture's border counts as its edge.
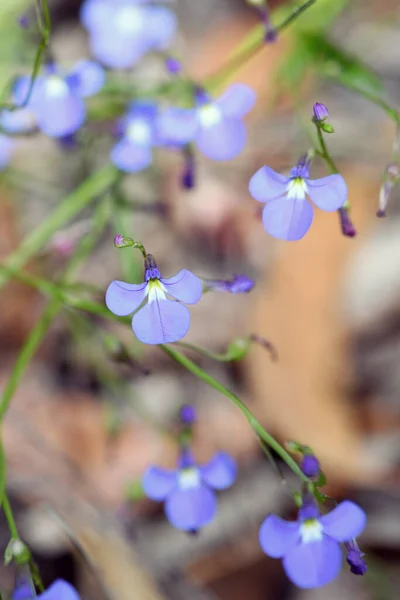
(173, 65)
(320, 111)
(390, 178)
(346, 224)
(187, 414)
(122, 242)
(310, 465)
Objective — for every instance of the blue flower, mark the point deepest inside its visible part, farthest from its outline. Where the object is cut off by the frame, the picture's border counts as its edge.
(310, 465)
(216, 126)
(133, 152)
(310, 547)
(239, 284)
(122, 31)
(287, 214)
(159, 320)
(20, 120)
(355, 559)
(59, 590)
(188, 491)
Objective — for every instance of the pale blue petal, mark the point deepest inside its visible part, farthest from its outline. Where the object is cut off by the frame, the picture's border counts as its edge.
(95, 14)
(288, 218)
(86, 78)
(191, 509)
(117, 51)
(220, 472)
(176, 126)
(157, 483)
(184, 286)
(266, 184)
(222, 141)
(6, 150)
(160, 26)
(314, 564)
(58, 117)
(130, 157)
(161, 322)
(277, 536)
(60, 590)
(237, 100)
(124, 298)
(18, 121)
(344, 522)
(328, 193)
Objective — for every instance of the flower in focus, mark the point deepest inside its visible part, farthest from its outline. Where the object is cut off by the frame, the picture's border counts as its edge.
(188, 491)
(133, 152)
(239, 284)
(122, 31)
(288, 214)
(159, 320)
(216, 126)
(320, 111)
(6, 150)
(310, 547)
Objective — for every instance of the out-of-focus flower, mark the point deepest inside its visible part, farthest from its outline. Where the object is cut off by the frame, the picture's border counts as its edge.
(122, 31)
(239, 284)
(287, 214)
(59, 590)
(159, 320)
(310, 547)
(187, 414)
(346, 223)
(215, 126)
(188, 491)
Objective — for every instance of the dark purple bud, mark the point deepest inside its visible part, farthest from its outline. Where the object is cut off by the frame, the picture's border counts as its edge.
(188, 175)
(310, 465)
(24, 21)
(173, 65)
(320, 111)
(346, 225)
(187, 414)
(239, 284)
(355, 558)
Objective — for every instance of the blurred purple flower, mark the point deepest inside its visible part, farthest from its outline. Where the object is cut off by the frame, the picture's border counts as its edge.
(188, 491)
(355, 558)
(133, 152)
(216, 126)
(239, 284)
(160, 320)
(187, 414)
(346, 223)
(310, 465)
(310, 547)
(122, 31)
(59, 590)
(287, 214)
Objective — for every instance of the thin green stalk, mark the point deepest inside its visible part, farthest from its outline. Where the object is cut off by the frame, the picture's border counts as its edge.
(12, 526)
(254, 424)
(324, 151)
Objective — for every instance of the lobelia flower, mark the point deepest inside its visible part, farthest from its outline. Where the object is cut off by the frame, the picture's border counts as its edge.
(216, 126)
(288, 214)
(133, 152)
(122, 31)
(310, 547)
(188, 491)
(159, 320)
(59, 590)
(239, 284)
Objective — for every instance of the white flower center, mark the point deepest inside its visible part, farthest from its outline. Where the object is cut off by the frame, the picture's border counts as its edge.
(56, 87)
(209, 115)
(311, 530)
(139, 132)
(129, 19)
(297, 188)
(188, 478)
(155, 290)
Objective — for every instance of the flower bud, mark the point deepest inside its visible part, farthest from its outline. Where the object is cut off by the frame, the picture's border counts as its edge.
(354, 558)
(346, 225)
(187, 414)
(320, 112)
(391, 177)
(310, 465)
(173, 65)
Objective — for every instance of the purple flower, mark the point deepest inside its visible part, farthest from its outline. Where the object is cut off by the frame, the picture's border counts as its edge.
(346, 224)
(159, 320)
(6, 150)
(188, 491)
(239, 284)
(320, 111)
(122, 31)
(20, 120)
(60, 590)
(187, 414)
(216, 126)
(287, 214)
(133, 152)
(355, 558)
(310, 547)
(310, 465)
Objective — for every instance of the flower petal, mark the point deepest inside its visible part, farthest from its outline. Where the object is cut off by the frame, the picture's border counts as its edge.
(59, 116)
(277, 536)
(328, 193)
(60, 590)
(160, 26)
(266, 184)
(161, 322)
(117, 51)
(130, 157)
(176, 126)
(192, 508)
(86, 78)
(124, 298)
(95, 14)
(288, 218)
(157, 483)
(184, 286)
(220, 472)
(237, 100)
(344, 522)
(222, 141)
(313, 565)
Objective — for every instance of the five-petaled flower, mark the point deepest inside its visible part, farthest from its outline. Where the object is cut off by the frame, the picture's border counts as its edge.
(216, 126)
(288, 214)
(122, 31)
(310, 547)
(133, 152)
(188, 491)
(159, 320)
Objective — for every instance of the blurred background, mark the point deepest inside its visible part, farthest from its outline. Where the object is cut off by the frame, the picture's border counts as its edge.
(82, 427)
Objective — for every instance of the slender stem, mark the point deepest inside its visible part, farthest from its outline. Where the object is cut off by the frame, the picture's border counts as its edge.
(295, 14)
(12, 526)
(253, 422)
(324, 151)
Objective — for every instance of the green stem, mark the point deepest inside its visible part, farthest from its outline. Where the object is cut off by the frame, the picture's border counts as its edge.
(12, 526)
(254, 424)
(324, 151)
